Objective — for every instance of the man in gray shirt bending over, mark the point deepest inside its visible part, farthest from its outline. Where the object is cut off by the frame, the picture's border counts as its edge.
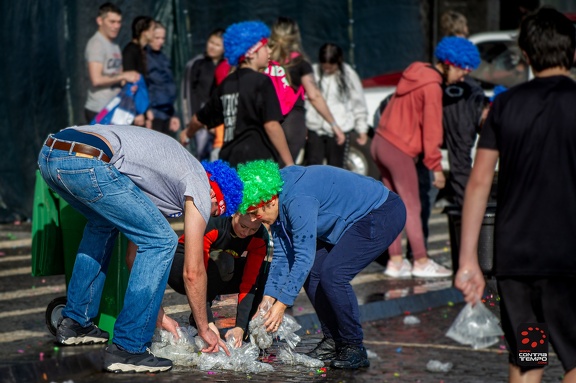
(129, 179)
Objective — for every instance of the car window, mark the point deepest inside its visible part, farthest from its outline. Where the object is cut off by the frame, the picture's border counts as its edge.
(501, 64)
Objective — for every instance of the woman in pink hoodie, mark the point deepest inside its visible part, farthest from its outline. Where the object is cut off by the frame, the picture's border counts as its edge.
(410, 126)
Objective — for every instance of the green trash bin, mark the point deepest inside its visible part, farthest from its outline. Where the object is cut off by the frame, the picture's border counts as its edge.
(57, 229)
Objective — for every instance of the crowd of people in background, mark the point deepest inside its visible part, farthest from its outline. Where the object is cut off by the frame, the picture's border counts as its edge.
(254, 105)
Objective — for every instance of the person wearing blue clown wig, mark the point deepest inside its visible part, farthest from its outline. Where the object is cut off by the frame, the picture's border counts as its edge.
(226, 186)
(243, 38)
(410, 130)
(459, 52)
(245, 102)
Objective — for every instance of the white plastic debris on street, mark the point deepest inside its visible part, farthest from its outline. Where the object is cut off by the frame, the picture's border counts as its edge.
(185, 351)
(411, 320)
(371, 354)
(476, 326)
(180, 350)
(437, 366)
(287, 356)
(241, 359)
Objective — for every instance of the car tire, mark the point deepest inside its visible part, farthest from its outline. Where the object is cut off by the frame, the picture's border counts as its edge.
(359, 159)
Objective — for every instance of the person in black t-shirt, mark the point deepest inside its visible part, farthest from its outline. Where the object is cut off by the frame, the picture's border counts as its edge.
(246, 101)
(235, 249)
(198, 84)
(286, 48)
(134, 57)
(530, 131)
(463, 106)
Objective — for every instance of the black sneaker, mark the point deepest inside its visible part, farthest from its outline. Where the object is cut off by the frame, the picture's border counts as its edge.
(325, 350)
(351, 357)
(117, 360)
(70, 332)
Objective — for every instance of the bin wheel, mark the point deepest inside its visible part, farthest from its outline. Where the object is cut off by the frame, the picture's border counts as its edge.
(54, 313)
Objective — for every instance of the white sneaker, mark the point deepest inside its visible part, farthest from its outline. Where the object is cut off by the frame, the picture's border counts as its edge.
(430, 270)
(394, 270)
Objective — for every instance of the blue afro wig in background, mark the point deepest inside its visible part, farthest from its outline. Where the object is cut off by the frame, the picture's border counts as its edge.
(458, 51)
(240, 37)
(497, 90)
(229, 182)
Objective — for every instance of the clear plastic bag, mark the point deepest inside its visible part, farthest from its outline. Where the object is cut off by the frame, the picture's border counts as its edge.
(287, 332)
(180, 350)
(241, 359)
(186, 351)
(476, 326)
(287, 356)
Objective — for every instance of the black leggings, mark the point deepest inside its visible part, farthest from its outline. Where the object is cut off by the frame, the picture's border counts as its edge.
(319, 148)
(294, 126)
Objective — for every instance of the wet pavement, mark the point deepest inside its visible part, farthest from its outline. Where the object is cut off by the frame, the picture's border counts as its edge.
(399, 352)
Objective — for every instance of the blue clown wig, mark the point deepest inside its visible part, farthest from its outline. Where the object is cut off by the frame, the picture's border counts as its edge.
(497, 90)
(229, 182)
(240, 37)
(458, 51)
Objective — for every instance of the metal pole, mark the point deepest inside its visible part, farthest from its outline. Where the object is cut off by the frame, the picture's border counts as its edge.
(351, 33)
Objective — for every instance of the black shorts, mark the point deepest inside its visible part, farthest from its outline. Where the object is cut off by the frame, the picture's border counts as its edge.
(549, 300)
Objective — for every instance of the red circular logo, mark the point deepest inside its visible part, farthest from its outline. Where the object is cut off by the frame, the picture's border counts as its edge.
(533, 336)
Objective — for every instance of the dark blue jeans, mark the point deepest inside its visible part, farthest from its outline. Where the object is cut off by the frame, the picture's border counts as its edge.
(328, 284)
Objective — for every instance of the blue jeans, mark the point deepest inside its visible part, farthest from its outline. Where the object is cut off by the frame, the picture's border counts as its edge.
(111, 202)
(328, 284)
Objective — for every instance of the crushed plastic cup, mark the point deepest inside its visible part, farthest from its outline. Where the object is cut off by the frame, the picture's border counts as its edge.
(411, 320)
(437, 366)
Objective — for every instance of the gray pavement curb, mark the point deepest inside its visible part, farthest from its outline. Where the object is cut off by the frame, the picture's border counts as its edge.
(387, 309)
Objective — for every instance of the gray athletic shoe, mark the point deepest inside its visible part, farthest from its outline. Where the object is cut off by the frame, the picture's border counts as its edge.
(117, 360)
(70, 333)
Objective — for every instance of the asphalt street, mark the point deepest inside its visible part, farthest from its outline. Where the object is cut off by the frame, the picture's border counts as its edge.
(399, 352)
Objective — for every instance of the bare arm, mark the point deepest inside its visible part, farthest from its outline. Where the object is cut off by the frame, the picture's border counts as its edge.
(195, 278)
(317, 100)
(469, 278)
(194, 126)
(278, 138)
(98, 79)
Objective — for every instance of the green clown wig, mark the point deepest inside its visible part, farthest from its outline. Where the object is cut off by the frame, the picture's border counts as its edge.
(262, 182)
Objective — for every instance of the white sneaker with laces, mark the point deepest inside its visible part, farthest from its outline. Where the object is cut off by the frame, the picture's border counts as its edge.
(430, 270)
(401, 270)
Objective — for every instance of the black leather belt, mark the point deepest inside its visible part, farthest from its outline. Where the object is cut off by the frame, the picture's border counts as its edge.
(77, 147)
